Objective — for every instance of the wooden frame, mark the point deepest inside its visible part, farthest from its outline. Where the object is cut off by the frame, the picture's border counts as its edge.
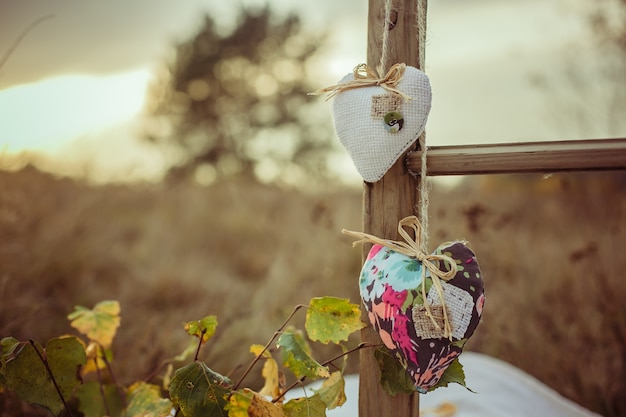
(395, 196)
(508, 158)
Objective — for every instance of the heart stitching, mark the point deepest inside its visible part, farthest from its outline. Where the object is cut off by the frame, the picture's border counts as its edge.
(359, 119)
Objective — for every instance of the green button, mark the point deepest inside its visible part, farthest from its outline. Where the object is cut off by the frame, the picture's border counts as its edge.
(393, 121)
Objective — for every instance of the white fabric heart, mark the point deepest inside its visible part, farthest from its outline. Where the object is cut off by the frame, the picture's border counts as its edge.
(359, 121)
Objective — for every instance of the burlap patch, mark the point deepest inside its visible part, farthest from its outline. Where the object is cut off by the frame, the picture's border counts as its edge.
(384, 103)
(424, 326)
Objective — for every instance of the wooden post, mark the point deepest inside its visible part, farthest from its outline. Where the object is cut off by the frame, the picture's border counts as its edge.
(395, 196)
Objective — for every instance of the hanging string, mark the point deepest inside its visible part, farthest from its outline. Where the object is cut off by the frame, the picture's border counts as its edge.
(424, 180)
(424, 189)
(421, 31)
(382, 65)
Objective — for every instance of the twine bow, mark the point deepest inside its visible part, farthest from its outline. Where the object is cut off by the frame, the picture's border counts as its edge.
(364, 76)
(412, 248)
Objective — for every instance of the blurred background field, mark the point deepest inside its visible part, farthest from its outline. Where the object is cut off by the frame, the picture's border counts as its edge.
(550, 249)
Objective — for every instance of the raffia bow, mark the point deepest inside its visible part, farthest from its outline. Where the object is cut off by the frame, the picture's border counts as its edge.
(364, 76)
(412, 248)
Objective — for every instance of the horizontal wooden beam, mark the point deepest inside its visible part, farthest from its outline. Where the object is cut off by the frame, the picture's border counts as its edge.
(508, 158)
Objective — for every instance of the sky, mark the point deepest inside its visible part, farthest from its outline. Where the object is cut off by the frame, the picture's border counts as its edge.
(74, 87)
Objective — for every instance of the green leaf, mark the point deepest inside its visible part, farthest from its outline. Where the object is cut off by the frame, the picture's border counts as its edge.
(26, 374)
(91, 402)
(393, 377)
(453, 374)
(296, 356)
(8, 347)
(99, 324)
(200, 392)
(332, 391)
(145, 400)
(238, 403)
(305, 407)
(459, 343)
(331, 319)
(207, 324)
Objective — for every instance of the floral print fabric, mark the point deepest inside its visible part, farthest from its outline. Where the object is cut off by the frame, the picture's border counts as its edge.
(391, 288)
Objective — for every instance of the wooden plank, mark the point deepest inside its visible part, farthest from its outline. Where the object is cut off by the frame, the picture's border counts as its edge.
(390, 199)
(505, 158)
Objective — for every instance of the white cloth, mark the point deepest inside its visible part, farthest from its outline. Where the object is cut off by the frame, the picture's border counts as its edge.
(501, 390)
(372, 148)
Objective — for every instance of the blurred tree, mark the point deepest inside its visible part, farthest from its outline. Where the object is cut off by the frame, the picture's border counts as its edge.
(235, 102)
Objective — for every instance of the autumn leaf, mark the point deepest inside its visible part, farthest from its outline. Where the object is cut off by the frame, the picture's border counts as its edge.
(296, 356)
(271, 388)
(99, 324)
(332, 391)
(305, 407)
(26, 374)
(260, 407)
(331, 319)
(238, 403)
(207, 325)
(96, 357)
(91, 400)
(454, 374)
(199, 391)
(145, 400)
(393, 377)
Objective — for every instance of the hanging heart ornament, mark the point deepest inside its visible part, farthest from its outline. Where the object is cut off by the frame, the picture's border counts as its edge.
(424, 307)
(377, 118)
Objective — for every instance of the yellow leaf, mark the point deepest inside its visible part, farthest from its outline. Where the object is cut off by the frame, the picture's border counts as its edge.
(257, 349)
(99, 324)
(95, 358)
(270, 373)
(260, 407)
(238, 403)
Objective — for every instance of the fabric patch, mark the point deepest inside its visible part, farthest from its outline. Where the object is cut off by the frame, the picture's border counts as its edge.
(424, 326)
(385, 103)
(460, 305)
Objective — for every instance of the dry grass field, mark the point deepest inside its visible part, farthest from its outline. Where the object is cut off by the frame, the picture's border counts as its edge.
(550, 249)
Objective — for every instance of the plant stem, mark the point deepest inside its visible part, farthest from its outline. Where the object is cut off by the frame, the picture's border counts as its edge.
(301, 379)
(120, 391)
(54, 382)
(195, 357)
(102, 394)
(276, 333)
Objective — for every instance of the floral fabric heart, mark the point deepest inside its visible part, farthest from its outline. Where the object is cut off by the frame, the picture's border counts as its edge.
(391, 288)
(366, 121)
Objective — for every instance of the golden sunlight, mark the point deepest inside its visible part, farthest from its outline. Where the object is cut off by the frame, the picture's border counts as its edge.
(50, 113)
